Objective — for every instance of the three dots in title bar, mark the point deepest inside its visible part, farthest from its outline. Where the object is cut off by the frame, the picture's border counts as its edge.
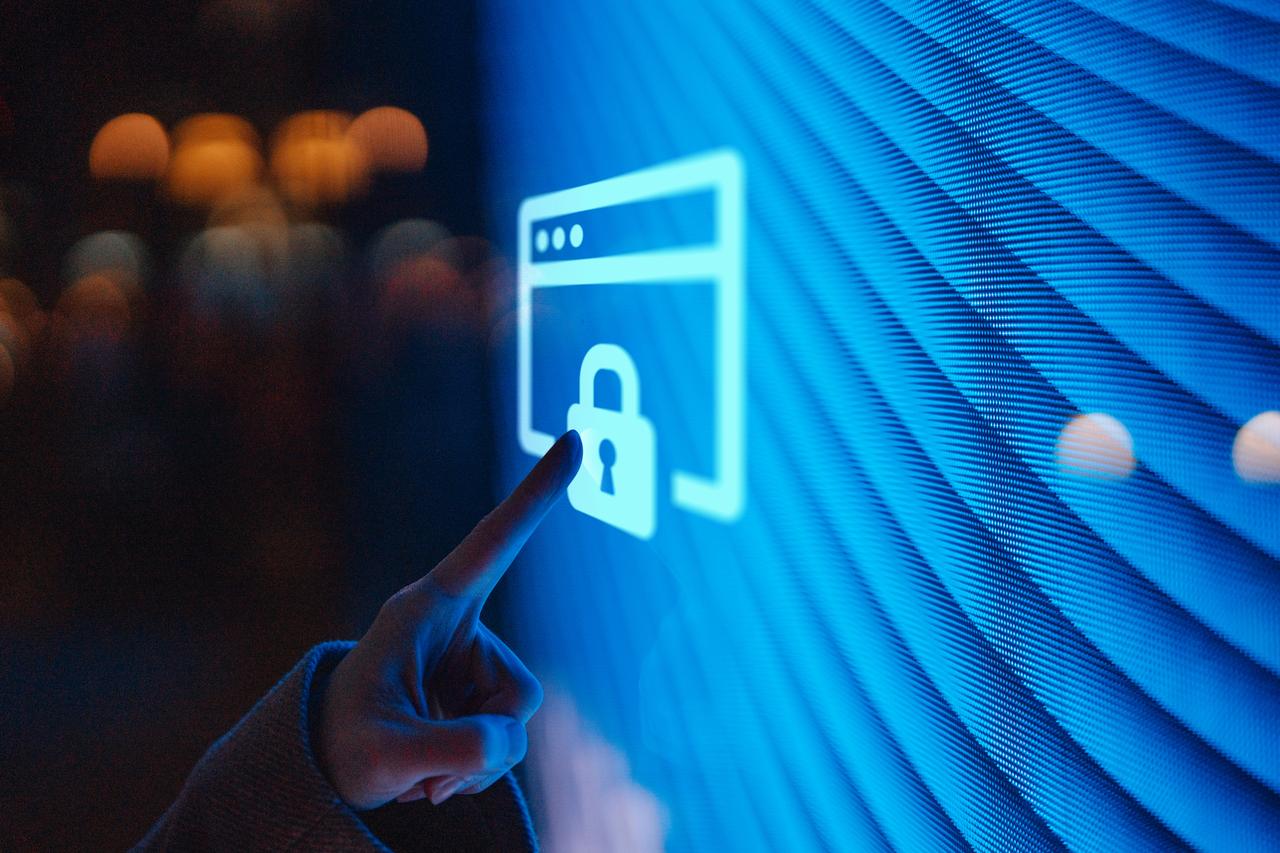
(556, 238)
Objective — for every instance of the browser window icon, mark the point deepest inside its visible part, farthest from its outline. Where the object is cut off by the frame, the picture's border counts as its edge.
(677, 227)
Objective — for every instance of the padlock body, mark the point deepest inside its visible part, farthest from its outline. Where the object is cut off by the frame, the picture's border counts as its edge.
(631, 505)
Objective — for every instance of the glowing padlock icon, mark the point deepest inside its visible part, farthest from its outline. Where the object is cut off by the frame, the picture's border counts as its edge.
(616, 481)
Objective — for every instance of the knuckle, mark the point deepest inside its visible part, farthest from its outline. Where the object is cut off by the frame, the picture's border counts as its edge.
(407, 605)
(394, 606)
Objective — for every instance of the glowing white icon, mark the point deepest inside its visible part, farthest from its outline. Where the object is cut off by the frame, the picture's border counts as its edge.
(719, 493)
(616, 480)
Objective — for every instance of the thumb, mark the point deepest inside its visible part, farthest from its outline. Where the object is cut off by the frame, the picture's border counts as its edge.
(469, 746)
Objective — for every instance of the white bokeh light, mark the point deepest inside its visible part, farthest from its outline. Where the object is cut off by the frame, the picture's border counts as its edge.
(1096, 445)
(1256, 451)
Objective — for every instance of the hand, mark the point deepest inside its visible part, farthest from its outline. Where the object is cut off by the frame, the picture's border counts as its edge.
(429, 702)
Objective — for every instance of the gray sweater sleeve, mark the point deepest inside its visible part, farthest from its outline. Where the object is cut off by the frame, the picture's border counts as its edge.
(259, 788)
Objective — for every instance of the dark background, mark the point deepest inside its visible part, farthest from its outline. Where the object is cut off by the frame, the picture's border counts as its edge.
(176, 527)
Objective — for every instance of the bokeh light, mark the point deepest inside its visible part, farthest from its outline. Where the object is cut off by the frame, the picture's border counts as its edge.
(426, 291)
(215, 156)
(315, 162)
(95, 309)
(428, 279)
(317, 244)
(316, 259)
(402, 241)
(253, 205)
(21, 322)
(133, 146)
(259, 215)
(15, 340)
(467, 253)
(204, 172)
(225, 268)
(1096, 445)
(17, 300)
(119, 255)
(393, 140)
(1255, 453)
(210, 127)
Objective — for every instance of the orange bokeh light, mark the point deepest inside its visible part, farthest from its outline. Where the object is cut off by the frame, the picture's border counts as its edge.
(14, 338)
(393, 140)
(315, 161)
(216, 155)
(205, 172)
(312, 124)
(95, 306)
(207, 127)
(17, 300)
(21, 320)
(133, 146)
(320, 171)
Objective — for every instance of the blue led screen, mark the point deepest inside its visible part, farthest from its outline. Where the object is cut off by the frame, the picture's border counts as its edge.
(954, 331)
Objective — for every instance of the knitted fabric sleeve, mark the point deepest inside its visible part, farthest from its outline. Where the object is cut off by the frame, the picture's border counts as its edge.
(259, 788)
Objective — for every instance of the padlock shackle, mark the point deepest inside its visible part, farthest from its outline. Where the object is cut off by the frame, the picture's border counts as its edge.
(614, 359)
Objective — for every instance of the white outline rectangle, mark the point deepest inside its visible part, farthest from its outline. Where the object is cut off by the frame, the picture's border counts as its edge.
(722, 495)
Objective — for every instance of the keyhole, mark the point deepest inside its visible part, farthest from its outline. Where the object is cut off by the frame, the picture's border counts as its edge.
(608, 455)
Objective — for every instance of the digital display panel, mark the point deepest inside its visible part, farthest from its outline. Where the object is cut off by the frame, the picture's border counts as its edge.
(927, 359)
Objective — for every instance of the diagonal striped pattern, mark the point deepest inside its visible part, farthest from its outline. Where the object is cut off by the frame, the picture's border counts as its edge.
(969, 221)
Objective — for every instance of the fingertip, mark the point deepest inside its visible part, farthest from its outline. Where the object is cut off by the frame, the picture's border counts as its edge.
(517, 742)
(568, 452)
(506, 742)
(476, 565)
(548, 480)
(572, 439)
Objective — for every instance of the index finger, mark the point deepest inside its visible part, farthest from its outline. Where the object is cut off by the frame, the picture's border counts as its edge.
(478, 563)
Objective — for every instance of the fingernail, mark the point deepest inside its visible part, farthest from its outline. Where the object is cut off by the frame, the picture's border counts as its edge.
(446, 790)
